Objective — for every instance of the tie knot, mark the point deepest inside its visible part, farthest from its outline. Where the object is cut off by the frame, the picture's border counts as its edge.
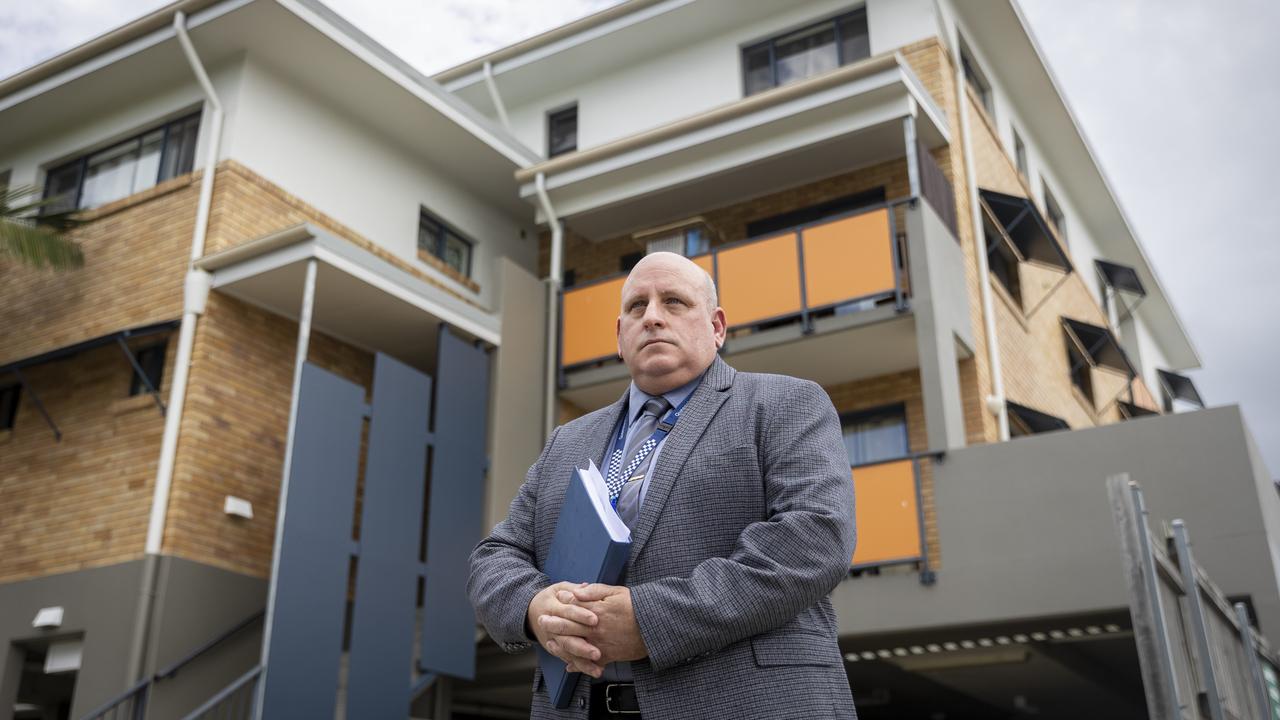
(655, 407)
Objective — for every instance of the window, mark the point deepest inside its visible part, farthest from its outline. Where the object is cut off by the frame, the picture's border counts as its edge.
(1001, 259)
(1020, 154)
(977, 80)
(806, 52)
(124, 168)
(1053, 211)
(562, 131)
(438, 239)
(1027, 421)
(875, 435)
(814, 213)
(9, 405)
(151, 360)
(1081, 375)
(628, 261)
(688, 240)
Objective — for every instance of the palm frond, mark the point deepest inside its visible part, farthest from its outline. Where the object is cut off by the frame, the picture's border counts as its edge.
(33, 238)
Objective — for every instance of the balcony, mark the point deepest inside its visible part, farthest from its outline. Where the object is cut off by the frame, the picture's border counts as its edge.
(834, 265)
(890, 516)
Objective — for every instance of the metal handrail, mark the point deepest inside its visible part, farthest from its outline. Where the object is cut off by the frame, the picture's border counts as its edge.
(142, 688)
(225, 693)
(173, 668)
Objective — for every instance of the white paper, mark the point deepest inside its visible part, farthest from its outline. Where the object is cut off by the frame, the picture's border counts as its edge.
(599, 492)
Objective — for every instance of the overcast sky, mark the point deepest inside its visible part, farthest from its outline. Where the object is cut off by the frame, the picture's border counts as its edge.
(1177, 97)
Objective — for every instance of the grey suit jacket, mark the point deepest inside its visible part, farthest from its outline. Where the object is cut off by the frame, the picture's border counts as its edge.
(746, 528)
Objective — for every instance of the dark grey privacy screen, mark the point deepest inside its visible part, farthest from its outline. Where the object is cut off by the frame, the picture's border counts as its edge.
(456, 505)
(315, 547)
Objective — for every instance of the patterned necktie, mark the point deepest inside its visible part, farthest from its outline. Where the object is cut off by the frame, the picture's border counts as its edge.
(639, 444)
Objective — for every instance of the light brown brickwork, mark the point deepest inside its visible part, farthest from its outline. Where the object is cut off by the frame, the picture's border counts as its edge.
(135, 254)
(247, 206)
(233, 431)
(84, 501)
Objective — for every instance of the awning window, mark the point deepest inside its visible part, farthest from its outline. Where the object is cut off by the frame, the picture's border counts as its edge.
(1098, 346)
(1130, 411)
(1178, 387)
(1025, 421)
(1121, 277)
(14, 369)
(1027, 229)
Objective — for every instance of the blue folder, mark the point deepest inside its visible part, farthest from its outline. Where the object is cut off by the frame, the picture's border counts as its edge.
(581, 551)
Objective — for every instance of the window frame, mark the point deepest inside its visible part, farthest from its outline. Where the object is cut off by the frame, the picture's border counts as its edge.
(552, 115)
(1020, 154)
(1004, 251)
(81, 162)
(896, 410)
(9, 416)
(1055, 214)
(151, 359)
(1081, 373)
(442, 239)
(976, 79)
(771, 43)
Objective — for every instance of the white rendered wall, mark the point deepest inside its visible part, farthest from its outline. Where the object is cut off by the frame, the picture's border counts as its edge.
(678, 83)
(68, 137)
(347, 170)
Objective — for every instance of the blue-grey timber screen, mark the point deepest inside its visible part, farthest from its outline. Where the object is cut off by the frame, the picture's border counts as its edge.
(414, 468)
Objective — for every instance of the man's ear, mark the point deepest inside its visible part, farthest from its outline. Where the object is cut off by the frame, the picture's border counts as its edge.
(617, 331)
(719, 324)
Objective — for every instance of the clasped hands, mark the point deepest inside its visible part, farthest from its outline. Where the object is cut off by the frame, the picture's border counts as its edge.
(586, 626)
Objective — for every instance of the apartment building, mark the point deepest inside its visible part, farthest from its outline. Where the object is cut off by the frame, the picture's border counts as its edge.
(315, 276)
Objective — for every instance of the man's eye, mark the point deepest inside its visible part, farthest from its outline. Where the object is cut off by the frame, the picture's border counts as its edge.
(635, 305)
(675, 301)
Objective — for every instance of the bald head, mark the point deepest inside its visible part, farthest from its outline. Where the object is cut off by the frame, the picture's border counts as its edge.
(680, 265)
(670, 326)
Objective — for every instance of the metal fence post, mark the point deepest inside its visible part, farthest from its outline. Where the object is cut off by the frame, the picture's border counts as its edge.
(1251, 654)
(1149, 630)
(1187, 566)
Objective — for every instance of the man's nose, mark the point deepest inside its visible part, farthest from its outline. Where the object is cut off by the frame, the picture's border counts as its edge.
(653, 314)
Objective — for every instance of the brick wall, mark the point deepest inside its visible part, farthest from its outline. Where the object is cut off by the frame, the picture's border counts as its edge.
(84, 501)
(135, 253)
(233, 431)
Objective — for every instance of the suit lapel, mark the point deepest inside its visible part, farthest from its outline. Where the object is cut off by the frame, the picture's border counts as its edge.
(702, 407)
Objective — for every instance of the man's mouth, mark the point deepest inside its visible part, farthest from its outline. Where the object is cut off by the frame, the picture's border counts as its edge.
(647, 343)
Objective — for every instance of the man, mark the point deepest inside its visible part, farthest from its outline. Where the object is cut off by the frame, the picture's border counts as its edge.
(742, 523)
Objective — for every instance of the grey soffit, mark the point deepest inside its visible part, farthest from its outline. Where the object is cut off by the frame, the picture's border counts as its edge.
(1036, 421)
(1101, 347)
(1180, 387)
(1027, 228)
(1131, 411)
(1121, 277)
(69, 350)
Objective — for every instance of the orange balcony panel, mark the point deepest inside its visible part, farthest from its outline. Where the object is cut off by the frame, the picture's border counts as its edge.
(848, 259)
(887, 515)
(706, 263)
(760, 280)
(590, 322)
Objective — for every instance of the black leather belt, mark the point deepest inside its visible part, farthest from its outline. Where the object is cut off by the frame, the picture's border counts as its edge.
(609, 700)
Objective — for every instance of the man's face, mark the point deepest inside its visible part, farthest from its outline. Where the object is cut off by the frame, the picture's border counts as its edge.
(667, 332)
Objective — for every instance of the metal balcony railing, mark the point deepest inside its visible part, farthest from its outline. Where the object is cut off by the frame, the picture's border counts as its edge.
(889, 512)
(793, 273)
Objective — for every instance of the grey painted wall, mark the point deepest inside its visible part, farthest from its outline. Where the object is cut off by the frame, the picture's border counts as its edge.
(98, 606)
(515, 417)
(941, 304)
(1026, 531)
(195, 603)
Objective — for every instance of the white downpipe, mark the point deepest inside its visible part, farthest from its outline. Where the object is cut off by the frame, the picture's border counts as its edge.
(494, 96)
(553, 305)
(195, 291)
(995, 401)
(299, 359)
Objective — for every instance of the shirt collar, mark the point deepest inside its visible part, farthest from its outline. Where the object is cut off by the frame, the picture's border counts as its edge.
(636, 398)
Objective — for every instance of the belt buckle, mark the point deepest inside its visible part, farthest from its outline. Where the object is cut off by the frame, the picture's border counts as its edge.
(608, 699)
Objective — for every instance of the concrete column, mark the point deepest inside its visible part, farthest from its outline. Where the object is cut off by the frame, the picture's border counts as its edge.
(940, 305)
